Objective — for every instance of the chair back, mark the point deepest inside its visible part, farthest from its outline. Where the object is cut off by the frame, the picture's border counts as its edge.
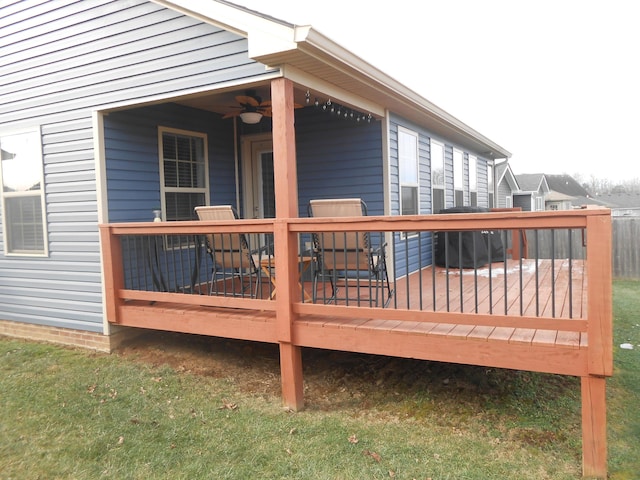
(341, 250)
(229, 250)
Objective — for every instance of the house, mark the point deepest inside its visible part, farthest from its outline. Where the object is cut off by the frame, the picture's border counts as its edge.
(533, 188)
(565, 192)
(111, 111)
(114, 114)
(505, 185)
(622, 204)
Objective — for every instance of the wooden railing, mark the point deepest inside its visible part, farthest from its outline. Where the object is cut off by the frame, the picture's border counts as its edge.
(170, 264)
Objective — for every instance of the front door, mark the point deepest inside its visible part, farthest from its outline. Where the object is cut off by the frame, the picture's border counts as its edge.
(259, 197)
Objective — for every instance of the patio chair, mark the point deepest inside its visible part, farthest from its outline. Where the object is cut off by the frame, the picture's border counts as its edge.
(350, 259)
(231, 255)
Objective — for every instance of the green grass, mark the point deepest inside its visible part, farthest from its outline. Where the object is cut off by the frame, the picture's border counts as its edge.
(71, 414)
(623, 389)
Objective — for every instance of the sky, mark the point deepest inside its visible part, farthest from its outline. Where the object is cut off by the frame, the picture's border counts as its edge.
(555, 82)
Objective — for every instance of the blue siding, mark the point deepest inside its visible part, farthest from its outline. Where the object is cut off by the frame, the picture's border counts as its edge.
(60, 60)
(338, 158)
(132, 157)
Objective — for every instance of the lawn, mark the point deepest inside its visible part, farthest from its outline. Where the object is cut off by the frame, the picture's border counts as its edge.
(177, 406)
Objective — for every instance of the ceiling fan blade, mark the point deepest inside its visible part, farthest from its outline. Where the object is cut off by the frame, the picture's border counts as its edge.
(247, 100)
(231, 114)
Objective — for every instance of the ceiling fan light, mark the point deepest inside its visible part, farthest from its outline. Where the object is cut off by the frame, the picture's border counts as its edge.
(251, 117)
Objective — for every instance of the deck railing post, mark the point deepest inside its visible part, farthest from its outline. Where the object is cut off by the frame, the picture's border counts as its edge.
(600, 332)
(285, 244)
(599, 290)
(113, 272)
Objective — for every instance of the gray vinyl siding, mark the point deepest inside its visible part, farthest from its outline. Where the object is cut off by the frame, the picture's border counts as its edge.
(483, 185)
(420, 249)
(504, 190)
(60, 60)
(405, 261)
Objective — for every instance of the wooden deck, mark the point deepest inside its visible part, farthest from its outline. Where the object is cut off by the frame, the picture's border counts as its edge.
(549, 315)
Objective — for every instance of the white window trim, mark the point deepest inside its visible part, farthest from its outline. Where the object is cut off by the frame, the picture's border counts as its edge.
(45, 235)
(163, 189)
(442, 187)
(473, 166)
(458, 176)
(415, 184)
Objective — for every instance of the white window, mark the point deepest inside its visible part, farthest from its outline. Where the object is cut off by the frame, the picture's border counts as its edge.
(437, 177)
(539, 204)
(508, 201)
(23, 201)
(458, 177)
(473, 180)
(490, 185)
(184, 174)
(408, 171)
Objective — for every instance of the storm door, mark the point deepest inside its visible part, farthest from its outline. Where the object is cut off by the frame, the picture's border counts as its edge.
(259, 195)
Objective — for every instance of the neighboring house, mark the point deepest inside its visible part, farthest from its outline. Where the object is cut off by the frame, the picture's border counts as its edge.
(533, 188)
(505, 185)
(622, 204)
(558, 201)
(110, 111)
(565, 193)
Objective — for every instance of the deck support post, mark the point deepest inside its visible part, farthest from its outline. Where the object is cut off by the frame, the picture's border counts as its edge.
(285, 242)
(594, 427)
(291, 371)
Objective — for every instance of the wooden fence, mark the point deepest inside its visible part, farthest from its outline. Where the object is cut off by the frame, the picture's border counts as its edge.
(626, 247)
(561, 244)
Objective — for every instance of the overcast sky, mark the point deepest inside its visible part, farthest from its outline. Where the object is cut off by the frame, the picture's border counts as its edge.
(555, 82)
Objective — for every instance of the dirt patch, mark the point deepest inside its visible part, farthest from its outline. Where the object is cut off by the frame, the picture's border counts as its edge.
(332, 379)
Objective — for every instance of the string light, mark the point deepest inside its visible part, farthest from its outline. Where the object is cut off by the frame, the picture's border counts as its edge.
(339, 110)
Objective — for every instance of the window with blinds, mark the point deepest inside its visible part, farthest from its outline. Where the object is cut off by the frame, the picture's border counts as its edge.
(184, 173)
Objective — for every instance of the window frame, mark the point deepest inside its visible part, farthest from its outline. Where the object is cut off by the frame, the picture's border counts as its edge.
(163, 188)
(473, 180)
(37, 132)
(414, 157)
(508, 201)
(434, 185)
(458, 177)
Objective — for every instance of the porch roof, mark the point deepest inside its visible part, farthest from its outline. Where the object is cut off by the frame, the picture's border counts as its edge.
(305, 56)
